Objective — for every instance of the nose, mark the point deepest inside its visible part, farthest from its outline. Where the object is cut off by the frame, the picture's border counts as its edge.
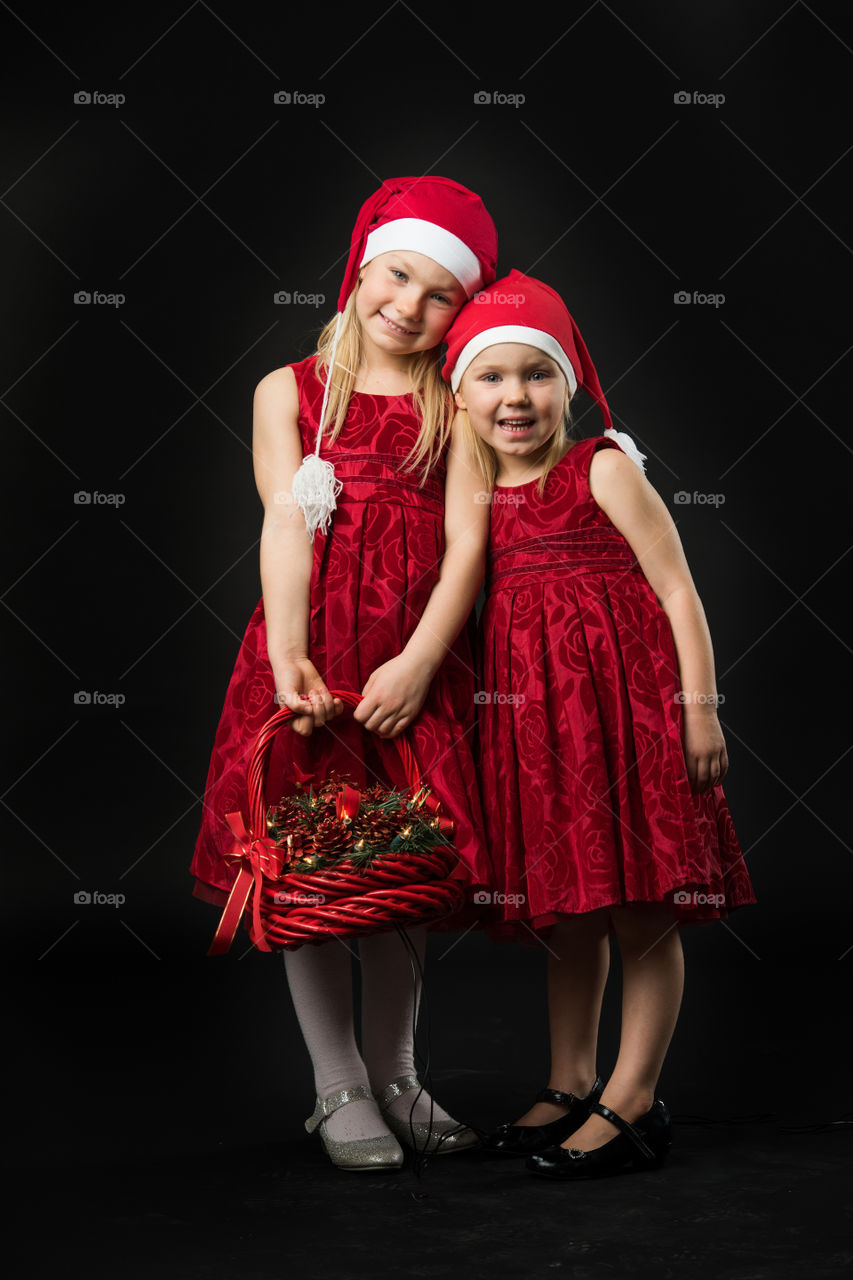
(515, 391)
(408, 303)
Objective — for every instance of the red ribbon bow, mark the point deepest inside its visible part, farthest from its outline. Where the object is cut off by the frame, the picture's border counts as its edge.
(257, 857)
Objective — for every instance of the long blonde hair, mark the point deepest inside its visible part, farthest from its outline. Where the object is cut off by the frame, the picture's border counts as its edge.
(485, 458)
(432, 397)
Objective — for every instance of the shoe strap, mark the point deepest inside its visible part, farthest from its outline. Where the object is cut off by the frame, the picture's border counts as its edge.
(557, 1096)
(396, 1089)
(627, 1128)
(325, 1106)
(567, 1099)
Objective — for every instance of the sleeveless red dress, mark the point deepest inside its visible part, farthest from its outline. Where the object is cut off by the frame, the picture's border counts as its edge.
(371, 577)
(585, 791)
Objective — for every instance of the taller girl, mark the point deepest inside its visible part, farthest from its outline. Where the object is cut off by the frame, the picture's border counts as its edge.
(353, 454)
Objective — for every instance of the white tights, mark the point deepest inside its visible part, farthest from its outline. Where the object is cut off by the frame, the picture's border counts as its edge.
(320, 980)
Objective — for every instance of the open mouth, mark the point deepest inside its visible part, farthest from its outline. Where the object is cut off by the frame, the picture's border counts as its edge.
(516, 426)
(398, 328)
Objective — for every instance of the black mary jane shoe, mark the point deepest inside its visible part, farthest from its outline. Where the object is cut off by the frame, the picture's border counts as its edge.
(641, 1145)
(525, 1139)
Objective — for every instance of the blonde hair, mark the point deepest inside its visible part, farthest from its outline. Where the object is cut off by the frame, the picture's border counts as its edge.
(485, 457)
(432, 397)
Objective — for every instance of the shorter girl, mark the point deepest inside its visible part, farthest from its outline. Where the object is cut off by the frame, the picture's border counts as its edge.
(601, 755)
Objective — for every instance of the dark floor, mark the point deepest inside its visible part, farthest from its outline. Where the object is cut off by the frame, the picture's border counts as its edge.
(746, 1204)
(157, 1131)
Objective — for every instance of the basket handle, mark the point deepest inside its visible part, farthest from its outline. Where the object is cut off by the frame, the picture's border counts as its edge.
(263, 747)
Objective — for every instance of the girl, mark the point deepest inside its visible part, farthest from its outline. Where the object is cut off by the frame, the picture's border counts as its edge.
(601, 752)
(380, 604)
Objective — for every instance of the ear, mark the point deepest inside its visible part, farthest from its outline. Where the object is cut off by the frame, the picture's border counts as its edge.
(460, 403)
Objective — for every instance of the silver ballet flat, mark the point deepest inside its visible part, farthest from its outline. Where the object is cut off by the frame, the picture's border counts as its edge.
(435, 1139)
(361, 1154)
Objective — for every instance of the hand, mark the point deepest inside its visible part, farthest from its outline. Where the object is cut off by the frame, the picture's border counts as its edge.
(300, 688)
(704, 748)
(392, 697)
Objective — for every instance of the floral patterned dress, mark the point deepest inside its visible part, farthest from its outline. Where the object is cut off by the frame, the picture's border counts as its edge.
(371, 578)
(584, 782)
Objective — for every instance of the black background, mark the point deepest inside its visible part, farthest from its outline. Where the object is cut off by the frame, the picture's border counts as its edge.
(198, 199)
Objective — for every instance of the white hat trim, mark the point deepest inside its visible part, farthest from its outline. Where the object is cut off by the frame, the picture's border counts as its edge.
(514, 333)
(420, 236)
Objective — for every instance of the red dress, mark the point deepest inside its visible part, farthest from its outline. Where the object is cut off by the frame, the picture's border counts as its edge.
(584, 782)
(371, 577)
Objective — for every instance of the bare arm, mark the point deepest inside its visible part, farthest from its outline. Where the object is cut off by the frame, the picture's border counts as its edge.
(286, 551)
(395, 692)
(639, 513)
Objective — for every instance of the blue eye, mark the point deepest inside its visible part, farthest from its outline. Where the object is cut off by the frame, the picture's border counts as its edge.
(401, 275)
(540, 373)
(439, 297)
(488, 376)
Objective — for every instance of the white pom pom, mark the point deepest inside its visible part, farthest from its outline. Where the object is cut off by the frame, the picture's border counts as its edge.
(315, 489)
(627, 446)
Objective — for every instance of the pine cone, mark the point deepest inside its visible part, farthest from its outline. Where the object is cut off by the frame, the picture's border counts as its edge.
(332, 840)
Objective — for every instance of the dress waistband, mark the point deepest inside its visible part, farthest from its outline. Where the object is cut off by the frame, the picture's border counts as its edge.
(372, 477)
(560, 555)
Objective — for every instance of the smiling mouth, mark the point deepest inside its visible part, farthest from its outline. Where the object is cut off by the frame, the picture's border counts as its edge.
(515, 425)
(398, 328)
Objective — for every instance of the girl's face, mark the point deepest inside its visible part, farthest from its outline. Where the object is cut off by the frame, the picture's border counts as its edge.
(406, 302)
(515, 396)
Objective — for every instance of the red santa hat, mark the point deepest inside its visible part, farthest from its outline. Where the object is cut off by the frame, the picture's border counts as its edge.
(518, 308)
(434, 216)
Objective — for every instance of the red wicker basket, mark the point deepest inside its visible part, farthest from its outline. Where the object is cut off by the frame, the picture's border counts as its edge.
(397, 889)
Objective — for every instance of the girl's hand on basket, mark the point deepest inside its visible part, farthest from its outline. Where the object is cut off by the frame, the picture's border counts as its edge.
(300, 688)
(392, 697)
